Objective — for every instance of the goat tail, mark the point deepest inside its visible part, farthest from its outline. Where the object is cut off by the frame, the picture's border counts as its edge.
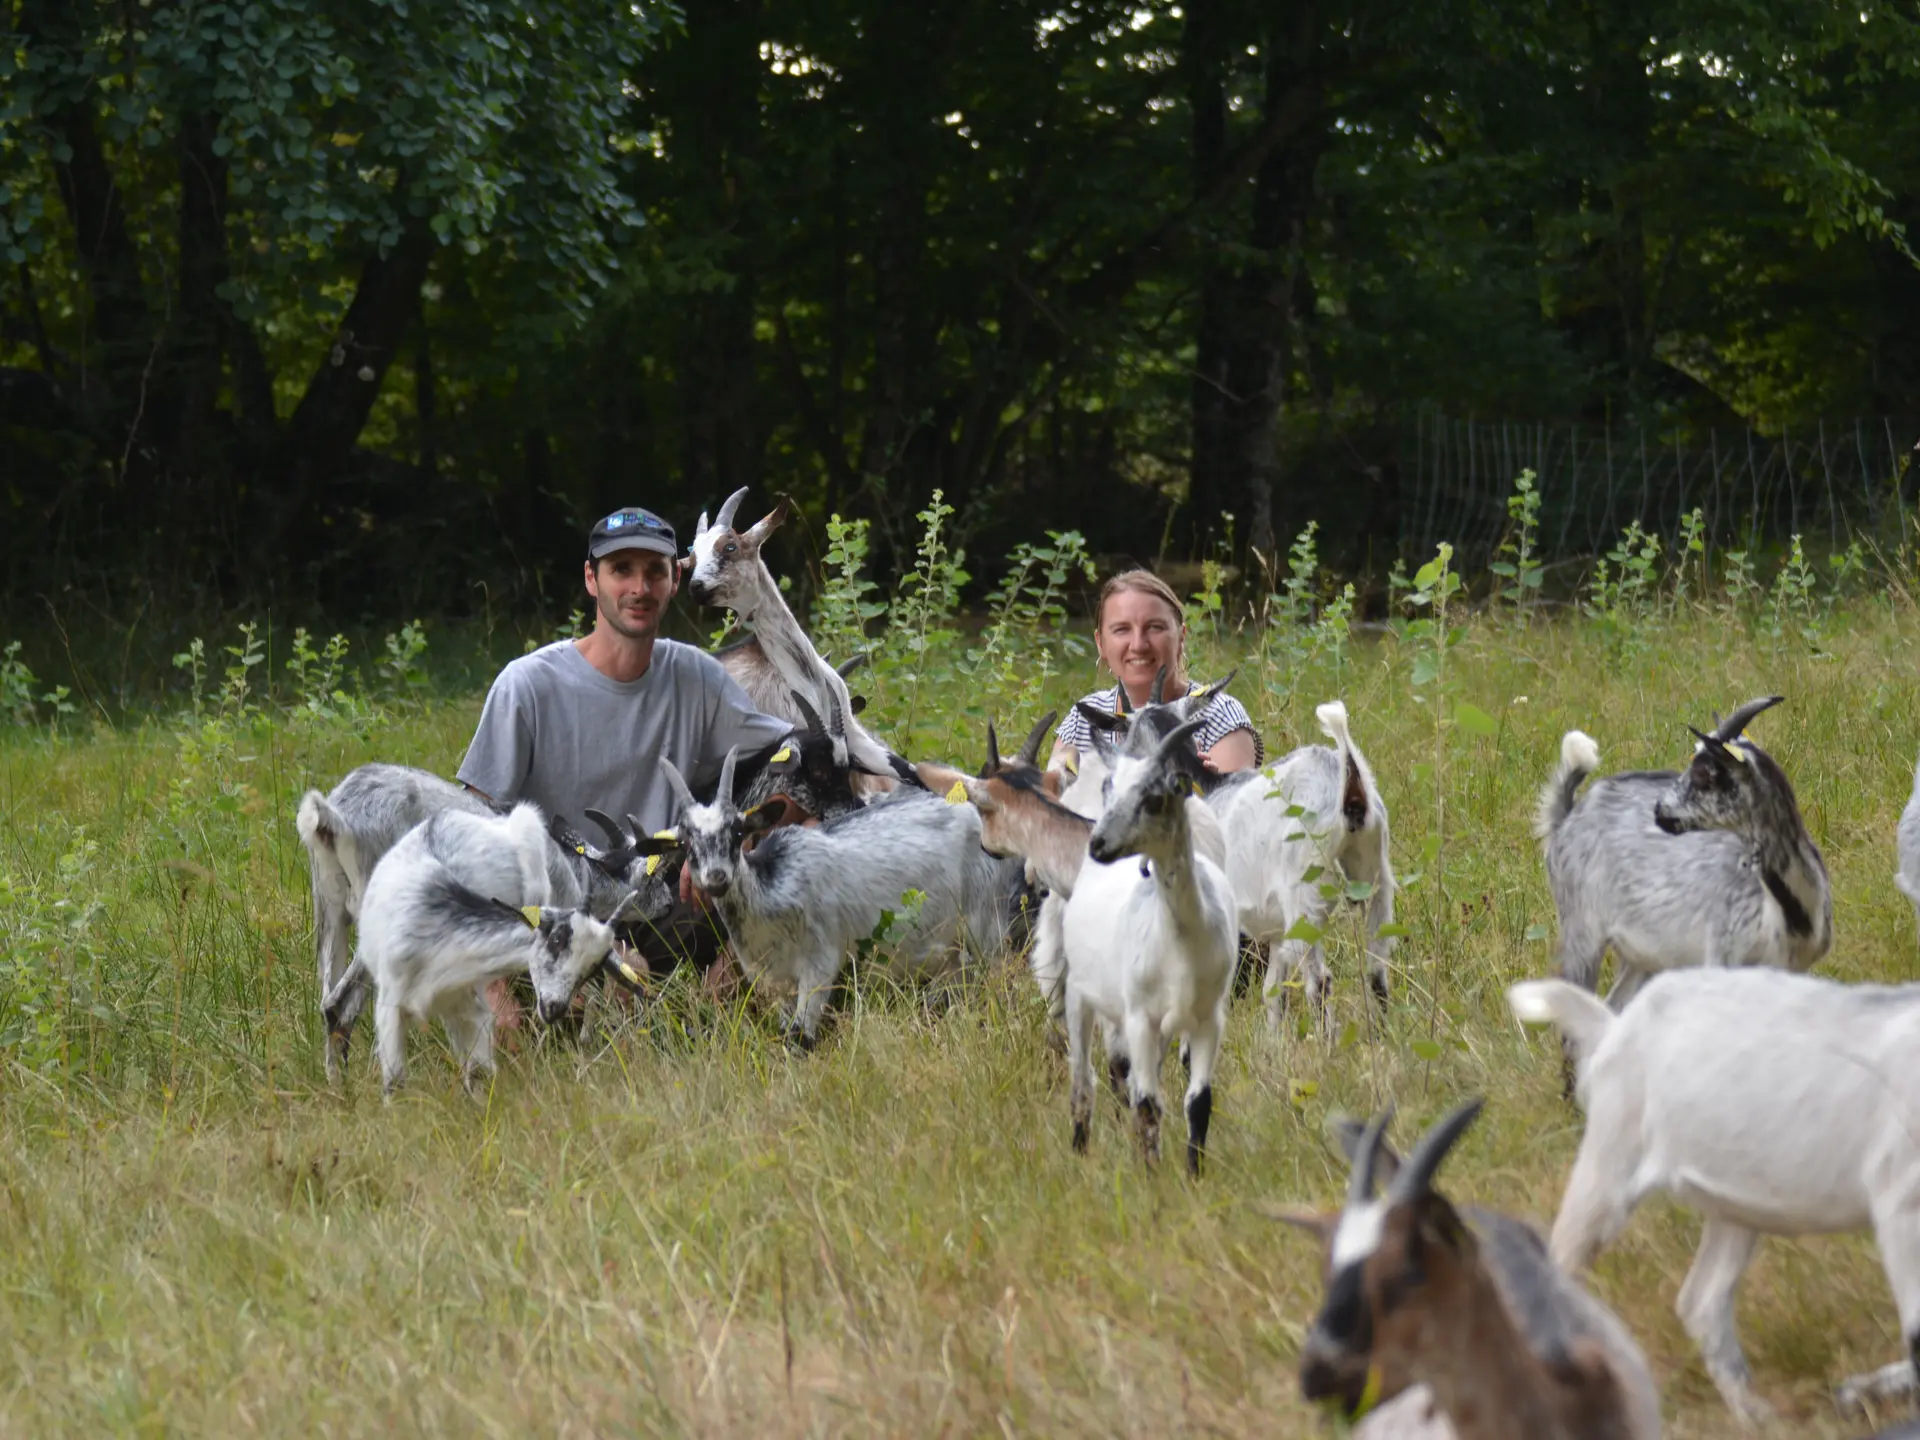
(318, 822)
(1580, 1015)
(1333, 724)
(1359, 800)
(1579, 758)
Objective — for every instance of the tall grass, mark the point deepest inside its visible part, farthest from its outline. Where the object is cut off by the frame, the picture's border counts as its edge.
(680, 1227)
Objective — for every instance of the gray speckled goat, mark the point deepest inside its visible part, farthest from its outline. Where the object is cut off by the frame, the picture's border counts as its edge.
(1710, 866)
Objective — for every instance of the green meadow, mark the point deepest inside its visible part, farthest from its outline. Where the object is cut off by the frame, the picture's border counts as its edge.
(677, 1226)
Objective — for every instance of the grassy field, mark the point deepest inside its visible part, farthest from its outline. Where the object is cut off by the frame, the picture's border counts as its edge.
(682, 1228)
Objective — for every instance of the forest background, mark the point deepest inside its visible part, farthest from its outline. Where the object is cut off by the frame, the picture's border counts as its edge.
(373, 305)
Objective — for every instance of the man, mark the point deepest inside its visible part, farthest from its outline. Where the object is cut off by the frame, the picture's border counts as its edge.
(585, 722)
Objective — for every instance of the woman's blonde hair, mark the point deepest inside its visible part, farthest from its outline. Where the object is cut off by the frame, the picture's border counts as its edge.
(1145, 582)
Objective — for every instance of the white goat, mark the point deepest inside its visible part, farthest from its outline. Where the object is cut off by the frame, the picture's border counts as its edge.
(1298, 833)
(1457, 1319)
(430, 941)
(779, 661)
(1907, 877)
(1150, 946)
(802, 897)
(1773, 1103)
(1711, 866)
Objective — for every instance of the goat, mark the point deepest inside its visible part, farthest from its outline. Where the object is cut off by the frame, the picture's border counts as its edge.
(1906, 878)
(1774, 1103)
(348, 829)
(1297, 833)
(1460, 1311)
(347, 832)
(430, 942)
(1150, 948)
(803, 896)
(726, 570)
(1711, 866)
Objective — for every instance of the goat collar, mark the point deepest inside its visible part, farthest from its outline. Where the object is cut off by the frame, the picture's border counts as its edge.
(1798, 921)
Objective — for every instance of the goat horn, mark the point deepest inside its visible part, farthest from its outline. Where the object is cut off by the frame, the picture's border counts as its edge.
(851, 663)
(1729, 729)
(724, 520)
(1030, 747)
(1159, 687)
(1416, 1175)
(1122, 704)
(678, 782)
(808, 713)
(725, 793)
(1181, 735)
(1207, 692)
(1360, 1181)
(836, 717)
(993, 751)
(616, 837)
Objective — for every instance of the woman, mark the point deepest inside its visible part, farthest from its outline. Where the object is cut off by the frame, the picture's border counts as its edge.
(1137, 628)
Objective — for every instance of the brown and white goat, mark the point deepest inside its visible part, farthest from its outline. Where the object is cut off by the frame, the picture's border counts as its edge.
(779, 661)
(1465, 1303)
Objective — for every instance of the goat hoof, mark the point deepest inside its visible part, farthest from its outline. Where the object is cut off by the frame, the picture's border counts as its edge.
(1378, 984)
(1079, 1137)
(798, 1039)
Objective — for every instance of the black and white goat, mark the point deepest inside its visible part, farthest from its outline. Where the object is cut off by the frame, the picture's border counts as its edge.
(1711, 866)
(1454, 1322)
(348, 831)
(1150, 942)
(726, 570)
(459, 901)
(1298, 834)
(1773, 1103)
(803, 896)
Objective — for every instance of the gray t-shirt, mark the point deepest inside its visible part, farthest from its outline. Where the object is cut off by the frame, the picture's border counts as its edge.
(559, 733)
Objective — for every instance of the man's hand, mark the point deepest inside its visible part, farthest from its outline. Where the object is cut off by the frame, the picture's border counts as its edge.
(690, 894)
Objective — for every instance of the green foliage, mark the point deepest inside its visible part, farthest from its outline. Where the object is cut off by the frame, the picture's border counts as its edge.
(1690, 556)
(1792, 609)
(843, 605)
(1514, 562)
(51, 960)
(1624, 595)
(21, 696)
(402, 674)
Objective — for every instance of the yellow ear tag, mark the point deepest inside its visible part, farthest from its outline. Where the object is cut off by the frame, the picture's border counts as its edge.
(633, 975)
(784, 753)
(958, 794)
(579, 849)
(531, 914)
(1072, 761)
(653, 863)
(666, 835)
(1370, 1395)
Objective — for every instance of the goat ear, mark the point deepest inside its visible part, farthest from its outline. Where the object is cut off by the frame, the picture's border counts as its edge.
(1197, 699)
(1438, 1223)
(1316, 1223)
(935, 776)
(767, 814)
(528, 915)
(980, 794)
(661, 842)
(1098, 719)
(1347, 1134)
(567, 838)
(770, 523)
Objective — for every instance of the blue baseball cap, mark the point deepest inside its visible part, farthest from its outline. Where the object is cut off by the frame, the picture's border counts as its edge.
(631, 529)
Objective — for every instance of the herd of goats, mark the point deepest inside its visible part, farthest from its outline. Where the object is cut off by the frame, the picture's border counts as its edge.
(1771, 1101)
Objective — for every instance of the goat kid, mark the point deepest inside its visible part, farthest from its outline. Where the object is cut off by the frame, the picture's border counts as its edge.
(802, 897)
(726, 570)
(1773, 1103)
(1431, 1308)
(1150, 946)
(429, 943)
(1711, 866)
(1298, 834)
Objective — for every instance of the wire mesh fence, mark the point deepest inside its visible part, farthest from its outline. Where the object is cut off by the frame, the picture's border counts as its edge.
(1828, 481)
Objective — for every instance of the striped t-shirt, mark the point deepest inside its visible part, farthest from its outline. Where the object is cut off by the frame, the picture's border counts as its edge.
(1222, 716)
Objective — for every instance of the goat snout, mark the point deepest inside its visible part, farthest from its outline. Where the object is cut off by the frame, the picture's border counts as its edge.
(552, 1012)
(1331, 1378)
(1668, 822)
(702, 591)
(1103, 850)
(714, 882)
